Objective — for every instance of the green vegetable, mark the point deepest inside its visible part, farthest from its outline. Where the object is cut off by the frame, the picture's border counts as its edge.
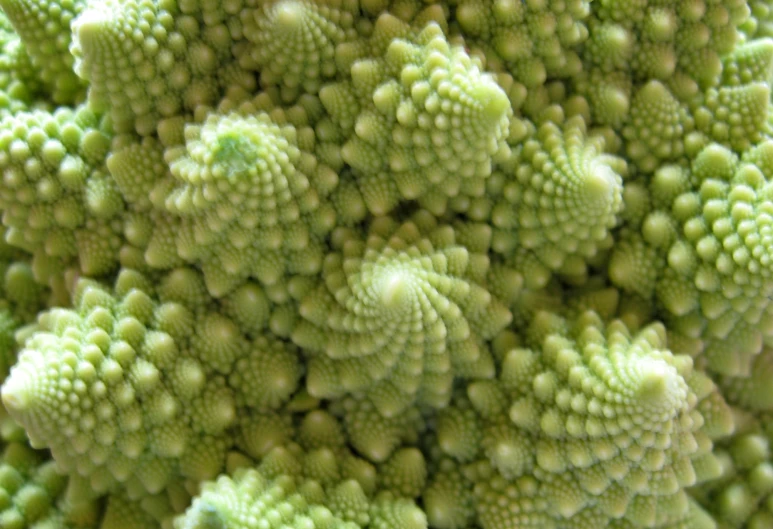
(380, 264)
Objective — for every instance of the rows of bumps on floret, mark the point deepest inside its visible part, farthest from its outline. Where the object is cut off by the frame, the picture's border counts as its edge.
(386, 264)
(123, 391)
(704, 252)
(593, 422)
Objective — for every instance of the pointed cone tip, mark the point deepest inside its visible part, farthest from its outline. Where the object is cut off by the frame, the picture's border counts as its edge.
(655, 383)
(289, 15)
(15, 393)
(600, 183)
(493, 99)
(396, 289)
(89, 27)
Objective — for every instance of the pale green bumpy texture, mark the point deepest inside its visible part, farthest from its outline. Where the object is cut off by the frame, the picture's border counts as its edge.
(386, 264)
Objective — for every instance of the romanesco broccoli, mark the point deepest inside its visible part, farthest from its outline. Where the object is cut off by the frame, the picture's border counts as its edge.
(386, 264)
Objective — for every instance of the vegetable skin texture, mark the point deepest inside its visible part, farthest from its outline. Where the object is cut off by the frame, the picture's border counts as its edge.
(367, 264)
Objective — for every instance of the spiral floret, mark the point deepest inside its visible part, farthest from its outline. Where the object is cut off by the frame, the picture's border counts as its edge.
(125, 393)
(561, 197)
(294, 41)
(429, 122)
(247, 201)
(594, 422)
(400, 313)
